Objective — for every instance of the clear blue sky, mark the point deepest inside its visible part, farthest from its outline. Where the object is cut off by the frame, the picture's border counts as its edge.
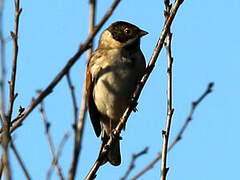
(205, 48)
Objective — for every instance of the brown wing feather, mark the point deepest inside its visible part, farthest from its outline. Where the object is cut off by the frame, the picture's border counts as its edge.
(93, 111)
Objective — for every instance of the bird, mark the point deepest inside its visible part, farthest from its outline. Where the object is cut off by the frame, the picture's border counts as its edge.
(113, 71)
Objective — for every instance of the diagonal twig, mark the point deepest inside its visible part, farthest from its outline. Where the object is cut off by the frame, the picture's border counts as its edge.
(26, 173)
(50, 141)
(58, 154)
(131, 106)
(132, 163)
(180, 133)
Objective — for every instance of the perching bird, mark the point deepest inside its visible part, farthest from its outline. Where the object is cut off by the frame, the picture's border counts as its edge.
(112, 75)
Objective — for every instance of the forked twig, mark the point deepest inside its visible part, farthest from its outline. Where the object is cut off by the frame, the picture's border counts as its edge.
(50, 141)
(58, 154)
(132, 163)
(180, 133)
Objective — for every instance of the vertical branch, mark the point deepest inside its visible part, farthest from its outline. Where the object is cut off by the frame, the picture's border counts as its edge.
(170, 110)
(2, 51)
(5, 120)
(14, 35)
(92, 12)
(79, 126)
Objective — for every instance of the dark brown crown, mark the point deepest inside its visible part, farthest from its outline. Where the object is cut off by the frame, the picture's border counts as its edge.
(123, 31)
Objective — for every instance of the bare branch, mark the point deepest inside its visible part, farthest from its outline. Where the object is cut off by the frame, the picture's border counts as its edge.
(50, 141)
(136, 94)
(20, 161)
(14, 35)
(81, 122)
(58, 154)
(92, 15)
(180, 133)
(2, 51)
(64, 71)
(132, 163)
(170, 110)
(61, 144)
(73, 95)
(78, 129)
(6, 120)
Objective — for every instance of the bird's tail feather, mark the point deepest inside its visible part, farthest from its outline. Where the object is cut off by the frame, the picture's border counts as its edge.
(114, 155)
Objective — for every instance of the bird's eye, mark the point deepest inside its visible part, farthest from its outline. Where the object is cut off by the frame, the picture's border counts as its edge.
(127, 31)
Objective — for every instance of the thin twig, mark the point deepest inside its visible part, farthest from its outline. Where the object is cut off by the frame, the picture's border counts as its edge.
(92, 18)
(20, 114)
(14, 35)
(61, 144)
(50, 141)
(66, 68)
(132, 163)
(73, 95)
(20, 161)
(78, 137)
(131, 106)
(78, 130)
(2, 51)
(180, 133)
(170, 109)
(5, 120)
(58, 154)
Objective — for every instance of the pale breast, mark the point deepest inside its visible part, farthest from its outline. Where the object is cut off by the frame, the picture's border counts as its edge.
(116, 82)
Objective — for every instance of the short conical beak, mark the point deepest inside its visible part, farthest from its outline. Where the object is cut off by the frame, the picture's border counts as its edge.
(143, 33)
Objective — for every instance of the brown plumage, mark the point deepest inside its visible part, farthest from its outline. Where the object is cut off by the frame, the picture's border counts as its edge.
(112, 75)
